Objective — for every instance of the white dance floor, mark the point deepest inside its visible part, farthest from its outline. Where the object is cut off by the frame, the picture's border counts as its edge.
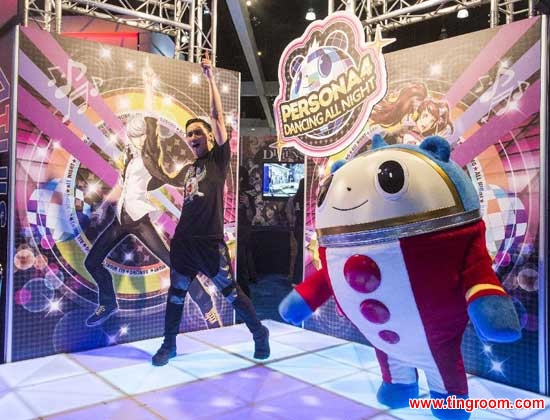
(309, 376)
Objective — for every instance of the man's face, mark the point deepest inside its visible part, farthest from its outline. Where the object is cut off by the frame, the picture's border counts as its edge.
(197, 139)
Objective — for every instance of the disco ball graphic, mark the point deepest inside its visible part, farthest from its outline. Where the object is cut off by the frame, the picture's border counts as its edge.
(506, 219)
(55, 213)
(310, 73)
(34, 296)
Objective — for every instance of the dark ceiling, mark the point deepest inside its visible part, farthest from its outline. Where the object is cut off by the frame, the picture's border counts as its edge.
(276, 23)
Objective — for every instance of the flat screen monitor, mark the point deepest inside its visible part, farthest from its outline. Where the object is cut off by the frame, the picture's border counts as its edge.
(281, 179)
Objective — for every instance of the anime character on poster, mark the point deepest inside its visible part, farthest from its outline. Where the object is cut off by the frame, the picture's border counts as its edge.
(143, 170)
(411, 114)
(403, 252)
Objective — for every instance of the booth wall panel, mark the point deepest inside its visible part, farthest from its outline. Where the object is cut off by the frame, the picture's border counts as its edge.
(74, 99)
(6, 109)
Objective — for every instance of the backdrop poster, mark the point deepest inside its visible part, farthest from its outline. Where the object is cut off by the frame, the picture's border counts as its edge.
(481, 92)
(78, 103)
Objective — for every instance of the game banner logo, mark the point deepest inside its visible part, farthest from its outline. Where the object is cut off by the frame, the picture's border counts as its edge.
(94, 214)
(330, 79)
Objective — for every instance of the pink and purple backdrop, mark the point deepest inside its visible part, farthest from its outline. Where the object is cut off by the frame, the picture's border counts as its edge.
(74, 97)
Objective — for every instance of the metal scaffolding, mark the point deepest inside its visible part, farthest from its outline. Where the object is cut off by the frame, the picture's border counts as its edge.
(392, 14)
(190, 23)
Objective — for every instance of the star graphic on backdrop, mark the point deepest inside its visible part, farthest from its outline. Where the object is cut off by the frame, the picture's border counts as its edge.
(54, 305)
(313, 248)
(279, 146)
(497, 366)
(487, 349)
(380, 42)
(123, 330)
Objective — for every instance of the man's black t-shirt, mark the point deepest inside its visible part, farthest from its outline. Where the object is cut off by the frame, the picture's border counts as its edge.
(199, 232)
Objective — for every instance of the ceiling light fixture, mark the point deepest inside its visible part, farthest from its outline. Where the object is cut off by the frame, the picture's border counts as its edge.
(310, 15)
(462, 13)
(249, 3)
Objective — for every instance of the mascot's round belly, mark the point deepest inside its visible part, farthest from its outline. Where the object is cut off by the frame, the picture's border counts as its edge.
(372, 287)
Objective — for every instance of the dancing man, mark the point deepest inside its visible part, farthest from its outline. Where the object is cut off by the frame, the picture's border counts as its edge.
(198, 244)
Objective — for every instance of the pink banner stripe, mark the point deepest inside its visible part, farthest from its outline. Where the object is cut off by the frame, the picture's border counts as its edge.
(29, 138)
(534, 211)
(522, 162)
(498, 127)
(487, 58)
(522, 70)
(31, 108)
(53, 52)
(177, 197)
(35, 78)
(167, 224)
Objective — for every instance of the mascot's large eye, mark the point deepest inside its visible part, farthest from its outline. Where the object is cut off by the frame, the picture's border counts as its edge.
(323, 191)
(392, 179)
(325, 65)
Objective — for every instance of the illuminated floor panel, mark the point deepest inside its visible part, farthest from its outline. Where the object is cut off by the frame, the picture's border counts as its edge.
(309, 376)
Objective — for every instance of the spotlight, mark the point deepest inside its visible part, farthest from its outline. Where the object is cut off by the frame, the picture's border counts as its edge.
(255, 20)
(462, 13)
(249, 3)
(310, 15)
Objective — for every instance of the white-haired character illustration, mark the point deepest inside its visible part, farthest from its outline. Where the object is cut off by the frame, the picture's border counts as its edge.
(143, 170)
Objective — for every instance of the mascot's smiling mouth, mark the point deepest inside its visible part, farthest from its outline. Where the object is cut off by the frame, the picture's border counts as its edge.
(351, 208)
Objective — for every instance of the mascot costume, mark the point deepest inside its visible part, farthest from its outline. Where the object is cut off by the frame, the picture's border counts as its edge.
(402, 246)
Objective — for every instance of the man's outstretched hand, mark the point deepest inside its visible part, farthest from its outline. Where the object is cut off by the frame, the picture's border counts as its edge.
(206, 65)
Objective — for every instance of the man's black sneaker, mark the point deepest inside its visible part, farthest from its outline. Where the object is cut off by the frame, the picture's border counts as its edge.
(261, 344)
(101, 314)
(162, 356)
